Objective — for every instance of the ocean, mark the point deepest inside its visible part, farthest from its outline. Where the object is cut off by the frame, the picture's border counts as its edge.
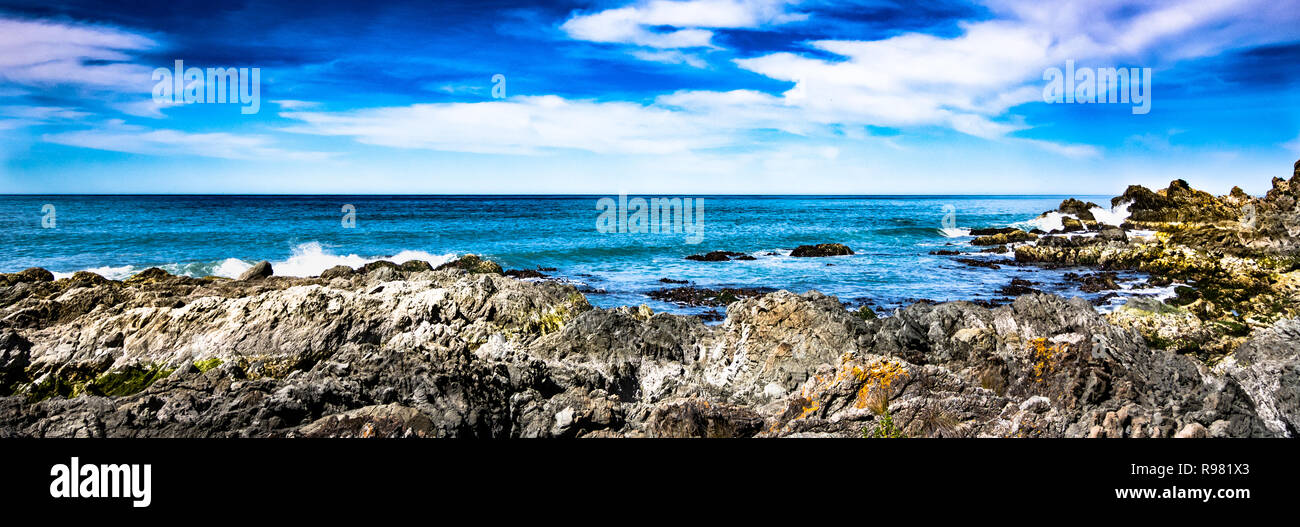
(117, 236)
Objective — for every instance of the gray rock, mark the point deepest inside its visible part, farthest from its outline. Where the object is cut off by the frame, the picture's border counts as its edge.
(1267, 367)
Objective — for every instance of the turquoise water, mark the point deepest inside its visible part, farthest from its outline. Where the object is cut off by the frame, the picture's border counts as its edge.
(302, 235)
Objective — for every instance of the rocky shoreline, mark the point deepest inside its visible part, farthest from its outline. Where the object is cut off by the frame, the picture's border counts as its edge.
(470, 349)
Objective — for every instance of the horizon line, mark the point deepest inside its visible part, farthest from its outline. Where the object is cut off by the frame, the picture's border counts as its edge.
(551, 195)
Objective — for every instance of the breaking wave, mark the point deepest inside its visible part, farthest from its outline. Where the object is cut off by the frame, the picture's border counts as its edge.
(308, 259)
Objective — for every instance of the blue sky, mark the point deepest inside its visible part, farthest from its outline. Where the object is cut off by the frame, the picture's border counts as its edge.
(666, 97)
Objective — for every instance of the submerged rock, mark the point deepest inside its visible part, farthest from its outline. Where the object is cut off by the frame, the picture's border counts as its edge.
(719, 256)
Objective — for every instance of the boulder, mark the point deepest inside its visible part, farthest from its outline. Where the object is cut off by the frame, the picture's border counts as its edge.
(258, 271)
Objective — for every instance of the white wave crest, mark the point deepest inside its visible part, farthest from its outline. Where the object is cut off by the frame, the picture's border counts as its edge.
(954, 232)
(1052, 221)
(112, 273)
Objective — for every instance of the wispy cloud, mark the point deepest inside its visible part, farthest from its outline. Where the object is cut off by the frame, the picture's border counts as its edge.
(520, 125)
(117, 136)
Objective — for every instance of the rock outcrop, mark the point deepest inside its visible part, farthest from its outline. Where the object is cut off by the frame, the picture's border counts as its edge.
(1234, 258)
(821, 249)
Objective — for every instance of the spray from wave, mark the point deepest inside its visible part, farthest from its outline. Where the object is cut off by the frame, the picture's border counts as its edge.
(1115, 216)
(308, 259)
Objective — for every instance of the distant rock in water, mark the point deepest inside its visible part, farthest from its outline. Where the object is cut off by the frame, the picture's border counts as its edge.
(821, 249)
(1017, 287)
(525, 273)
(719, 256)
(258, 271)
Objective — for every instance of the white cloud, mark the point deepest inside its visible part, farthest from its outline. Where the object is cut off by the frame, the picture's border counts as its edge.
(692, 18)
(35, 53)
(116, 136)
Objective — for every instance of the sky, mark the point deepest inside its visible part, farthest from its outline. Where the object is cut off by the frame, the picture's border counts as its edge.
(673, 97)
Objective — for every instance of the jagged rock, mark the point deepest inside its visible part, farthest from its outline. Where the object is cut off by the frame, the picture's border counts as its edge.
(1267, 367)
(258, 271)
(445, 353)
(1080, 210)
